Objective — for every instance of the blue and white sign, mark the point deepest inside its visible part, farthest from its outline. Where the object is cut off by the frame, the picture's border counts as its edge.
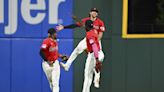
(32, 18)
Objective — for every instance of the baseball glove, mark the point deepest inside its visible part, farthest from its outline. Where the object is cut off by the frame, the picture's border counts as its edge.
(98, 66)
(64, 57)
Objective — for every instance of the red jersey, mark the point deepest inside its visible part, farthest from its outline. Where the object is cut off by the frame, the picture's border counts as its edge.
(92, 35)
(98, 24)
(50, 49)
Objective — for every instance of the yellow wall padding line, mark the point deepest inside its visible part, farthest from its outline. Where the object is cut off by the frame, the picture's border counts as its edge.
(125, 25)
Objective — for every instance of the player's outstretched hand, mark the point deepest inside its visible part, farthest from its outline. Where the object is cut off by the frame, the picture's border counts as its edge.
(59, 27)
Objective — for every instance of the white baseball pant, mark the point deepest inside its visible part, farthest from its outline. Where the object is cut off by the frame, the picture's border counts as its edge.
(89, 71)
(52, 74)
(89, 66)
(79, 49)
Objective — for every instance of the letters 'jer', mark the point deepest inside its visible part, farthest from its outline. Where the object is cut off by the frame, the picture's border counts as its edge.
(26, 7)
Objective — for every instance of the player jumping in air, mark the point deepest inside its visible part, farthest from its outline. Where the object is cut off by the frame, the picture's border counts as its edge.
(98, 25)
(93, 63)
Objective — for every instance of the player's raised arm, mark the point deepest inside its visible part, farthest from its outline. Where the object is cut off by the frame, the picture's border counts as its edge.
(79, 23)
(71, 26)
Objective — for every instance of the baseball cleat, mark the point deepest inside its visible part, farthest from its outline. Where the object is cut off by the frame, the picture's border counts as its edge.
(66, 68)
(97, 80)
(97, 83)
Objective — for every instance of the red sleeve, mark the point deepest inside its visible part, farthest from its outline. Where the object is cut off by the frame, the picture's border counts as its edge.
(102, 26)
(45, 45)
(82, 22)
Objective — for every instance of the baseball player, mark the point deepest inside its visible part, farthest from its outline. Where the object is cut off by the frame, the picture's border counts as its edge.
(97, 25)
(49, 54)
(93, 64)
(93, 46)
